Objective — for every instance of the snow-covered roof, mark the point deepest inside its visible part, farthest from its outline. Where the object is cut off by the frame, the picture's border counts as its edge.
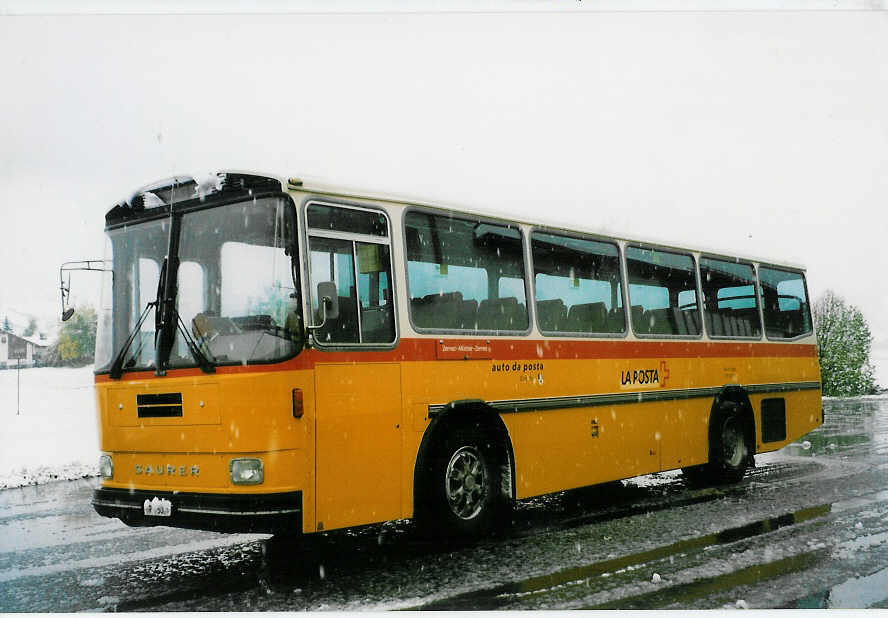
(36, 340)
(33, 340)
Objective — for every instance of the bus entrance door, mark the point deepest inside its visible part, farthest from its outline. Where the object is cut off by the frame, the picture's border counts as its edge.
(358, 449)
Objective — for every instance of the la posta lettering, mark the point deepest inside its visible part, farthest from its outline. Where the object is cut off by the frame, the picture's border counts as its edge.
(632, 377)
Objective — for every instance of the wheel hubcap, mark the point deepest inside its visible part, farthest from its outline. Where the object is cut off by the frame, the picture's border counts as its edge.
(465, 483)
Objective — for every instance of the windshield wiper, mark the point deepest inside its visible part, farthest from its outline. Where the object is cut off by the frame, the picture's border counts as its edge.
(205, 363)
(117, 365)
(167, 319)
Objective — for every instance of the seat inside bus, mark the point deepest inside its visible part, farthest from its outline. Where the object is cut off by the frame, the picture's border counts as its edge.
(450, 310)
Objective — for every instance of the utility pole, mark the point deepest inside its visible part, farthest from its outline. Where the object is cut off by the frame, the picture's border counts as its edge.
(18, 386)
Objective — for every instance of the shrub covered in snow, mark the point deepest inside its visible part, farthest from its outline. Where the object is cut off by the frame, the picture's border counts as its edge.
(843, 345)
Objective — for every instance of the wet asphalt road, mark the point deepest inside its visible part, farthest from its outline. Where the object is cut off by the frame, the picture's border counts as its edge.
(807, 528)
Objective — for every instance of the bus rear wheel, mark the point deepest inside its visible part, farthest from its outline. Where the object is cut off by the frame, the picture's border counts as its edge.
(729, 453)
(464, 486)
(732, 451)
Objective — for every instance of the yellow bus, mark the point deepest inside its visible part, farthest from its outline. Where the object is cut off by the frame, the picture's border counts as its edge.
(285, 357)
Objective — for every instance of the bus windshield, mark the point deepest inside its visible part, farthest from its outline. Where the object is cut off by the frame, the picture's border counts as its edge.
(236, 296)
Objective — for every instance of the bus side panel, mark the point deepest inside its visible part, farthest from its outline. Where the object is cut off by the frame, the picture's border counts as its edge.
(416, 421)
(803, 409)
(681, 431)
(557, 449)
(803, 413)
(563, 449)
(358, 478)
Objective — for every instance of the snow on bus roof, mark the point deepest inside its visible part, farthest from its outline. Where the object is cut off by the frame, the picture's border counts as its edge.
(311, 185)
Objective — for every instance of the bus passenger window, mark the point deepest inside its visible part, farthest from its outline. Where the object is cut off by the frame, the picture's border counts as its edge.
(465, 274)
(332, 260)
(578, 285)
(662, 292)
(785, 298)
(729, 300)
(350, 247)
(377, 317)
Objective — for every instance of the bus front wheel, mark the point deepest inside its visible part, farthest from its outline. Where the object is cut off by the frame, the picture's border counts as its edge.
(465, 485)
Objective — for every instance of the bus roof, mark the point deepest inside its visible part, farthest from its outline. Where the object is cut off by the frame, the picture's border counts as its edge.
(183, 187)
(320, 187)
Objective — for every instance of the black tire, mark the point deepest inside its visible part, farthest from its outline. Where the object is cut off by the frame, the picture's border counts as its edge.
(463, 486)
(729, 451)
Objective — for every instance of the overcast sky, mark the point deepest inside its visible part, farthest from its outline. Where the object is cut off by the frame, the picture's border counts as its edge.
(758, 132)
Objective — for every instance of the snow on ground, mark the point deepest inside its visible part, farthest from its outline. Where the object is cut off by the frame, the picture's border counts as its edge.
(655, 479)
(54, 435)
(880, 395)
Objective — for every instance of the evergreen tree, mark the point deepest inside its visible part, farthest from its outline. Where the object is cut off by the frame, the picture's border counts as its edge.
(843, 345)
(6, 326)
(31, 329)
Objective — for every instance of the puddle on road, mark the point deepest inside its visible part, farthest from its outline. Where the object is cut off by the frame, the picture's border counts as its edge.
(500, 596)
(855, 593)
(849, 424)
(628, 505)
(859, 501)
(813, 445)
(708, 586)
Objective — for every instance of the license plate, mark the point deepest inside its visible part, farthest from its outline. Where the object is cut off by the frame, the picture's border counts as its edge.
(158, 507)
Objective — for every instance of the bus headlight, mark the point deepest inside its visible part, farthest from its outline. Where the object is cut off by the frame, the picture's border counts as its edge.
(246, 471)
(106, 467)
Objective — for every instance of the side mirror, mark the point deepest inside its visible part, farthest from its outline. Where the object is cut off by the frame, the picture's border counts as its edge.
(65, 287)
(328, 299)
(328, 304)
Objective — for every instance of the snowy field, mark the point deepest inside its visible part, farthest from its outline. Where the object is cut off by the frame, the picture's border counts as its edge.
(54, 436)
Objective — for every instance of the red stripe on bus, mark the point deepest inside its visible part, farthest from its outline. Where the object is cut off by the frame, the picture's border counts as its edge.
(412, 350)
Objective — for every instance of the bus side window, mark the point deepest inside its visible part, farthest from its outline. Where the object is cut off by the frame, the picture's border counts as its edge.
(662, 292)
(729, 299)
(786, 309)
(578, 285)
(377, 316)
(465, 274)
(332, 260)
(343, 249)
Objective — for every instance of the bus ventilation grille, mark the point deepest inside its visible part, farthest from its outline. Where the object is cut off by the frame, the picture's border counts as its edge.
(159, 405)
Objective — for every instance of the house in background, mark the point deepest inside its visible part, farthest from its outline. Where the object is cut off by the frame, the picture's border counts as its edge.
(13, 347)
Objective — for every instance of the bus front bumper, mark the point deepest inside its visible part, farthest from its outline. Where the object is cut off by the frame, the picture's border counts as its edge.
(269, 513)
